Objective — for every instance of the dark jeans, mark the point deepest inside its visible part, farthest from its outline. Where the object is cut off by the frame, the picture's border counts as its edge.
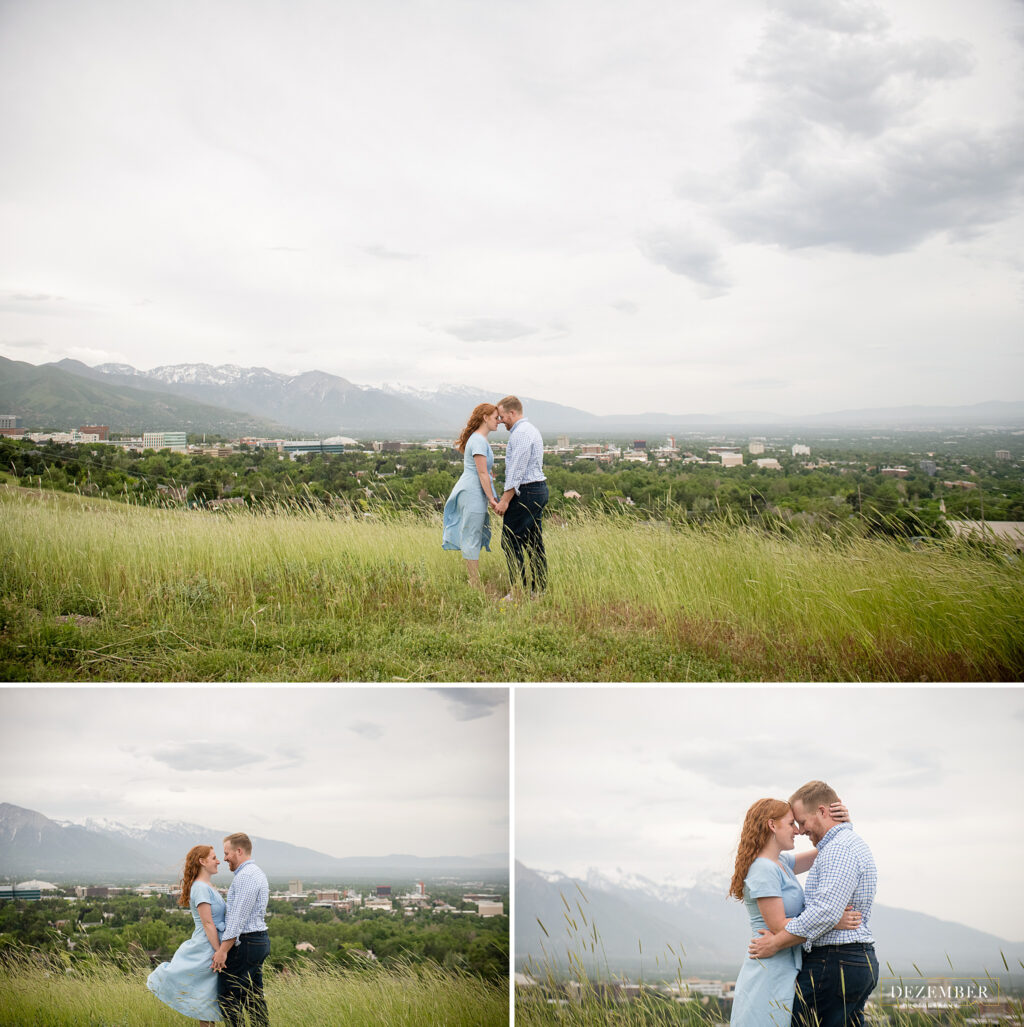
(240, 987)
(834, 984)
(521, 537)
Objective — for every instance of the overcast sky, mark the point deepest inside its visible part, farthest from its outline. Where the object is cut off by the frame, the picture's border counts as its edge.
(781, 205)
(657, 781)
(345, 771)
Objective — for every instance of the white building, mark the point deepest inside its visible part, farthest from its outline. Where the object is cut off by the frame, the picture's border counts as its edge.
(799, 449)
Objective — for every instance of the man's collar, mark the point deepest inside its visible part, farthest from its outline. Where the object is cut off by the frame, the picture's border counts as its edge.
(830, 833)
(516, 425)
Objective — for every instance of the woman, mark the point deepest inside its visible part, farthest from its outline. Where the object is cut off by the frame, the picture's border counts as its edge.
(764, 880)
(187, 983)
(467, 525)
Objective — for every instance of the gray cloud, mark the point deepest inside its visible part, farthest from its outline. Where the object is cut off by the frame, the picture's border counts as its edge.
(684, 253)
(489, 329)
(206, 756)
(838, 67)
(891, 198)
(473, 703)
(740, 765)
(626, 307)
(367, 729)
(836, 154)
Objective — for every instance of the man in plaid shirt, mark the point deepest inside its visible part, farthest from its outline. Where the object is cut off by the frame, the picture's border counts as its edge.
(839, 969)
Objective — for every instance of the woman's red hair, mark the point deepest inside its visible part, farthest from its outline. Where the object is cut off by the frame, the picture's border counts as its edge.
(476, 418)
(191, 870)
(753, 838)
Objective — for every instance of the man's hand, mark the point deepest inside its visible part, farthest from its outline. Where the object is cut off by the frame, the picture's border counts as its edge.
(220, 958)
(501, 507)
(763, 947)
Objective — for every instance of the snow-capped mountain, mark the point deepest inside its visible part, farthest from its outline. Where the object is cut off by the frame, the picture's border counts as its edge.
(321, 403)
(33, 845)
(642, 924)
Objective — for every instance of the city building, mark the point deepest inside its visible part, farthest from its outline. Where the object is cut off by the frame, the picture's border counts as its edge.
(328, 896)
(929, 467)
(755, 446)
(799, 449)
(732, 459)
(383, 891)
(295, 887)
(768, 463)
(490, 909)
(101, 431)
(1002, 454)
(174, 440)
(10, 424)
(894, 472)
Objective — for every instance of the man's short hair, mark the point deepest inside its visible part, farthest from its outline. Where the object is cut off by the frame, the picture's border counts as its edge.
(510, 403)
(239, 841)
(814, 794)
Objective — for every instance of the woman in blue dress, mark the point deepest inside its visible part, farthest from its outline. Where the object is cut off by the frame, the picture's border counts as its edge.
(467, 522)
(764, 880)
(187, 983)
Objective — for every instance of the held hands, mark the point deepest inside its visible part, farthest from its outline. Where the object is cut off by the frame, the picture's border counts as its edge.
(501, 507)
(219, 960)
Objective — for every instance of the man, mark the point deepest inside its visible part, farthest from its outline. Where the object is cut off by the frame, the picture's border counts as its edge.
(523, 501)
(245, 943)
(839, 969)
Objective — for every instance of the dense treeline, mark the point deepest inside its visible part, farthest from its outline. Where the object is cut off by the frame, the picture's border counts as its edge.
(131, 926)
(842, 486)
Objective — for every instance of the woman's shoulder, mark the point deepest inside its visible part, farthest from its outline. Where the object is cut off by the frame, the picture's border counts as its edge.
(764, 869)
(201, 891)
(477, 444)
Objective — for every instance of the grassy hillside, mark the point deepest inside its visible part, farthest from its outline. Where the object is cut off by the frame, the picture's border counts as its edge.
(48, 398)
(106, 591)
(48, 994)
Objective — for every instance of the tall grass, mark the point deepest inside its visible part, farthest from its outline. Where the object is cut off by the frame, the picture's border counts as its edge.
(572, 985)
(98, 590)
(51, 994)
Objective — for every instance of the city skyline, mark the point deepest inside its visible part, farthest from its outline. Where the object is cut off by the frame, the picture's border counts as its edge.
(741, 205)
(347, 772)
(655, 782)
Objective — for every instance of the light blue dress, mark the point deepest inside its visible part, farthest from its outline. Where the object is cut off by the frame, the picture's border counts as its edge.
(765, 987)
(187, 983)
(467, 525)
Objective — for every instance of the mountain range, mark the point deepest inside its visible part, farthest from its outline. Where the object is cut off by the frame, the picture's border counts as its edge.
(237, 401)
(34, 846)
(636, 920)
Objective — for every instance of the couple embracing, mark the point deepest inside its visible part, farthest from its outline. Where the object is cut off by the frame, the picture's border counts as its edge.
(812, 958)
(467, 522)
(218, 972)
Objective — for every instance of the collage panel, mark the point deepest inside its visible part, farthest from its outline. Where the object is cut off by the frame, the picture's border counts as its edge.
(668, 838)
(254, 855)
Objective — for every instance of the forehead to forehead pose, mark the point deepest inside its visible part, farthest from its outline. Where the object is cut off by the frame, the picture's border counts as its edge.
(765, 880)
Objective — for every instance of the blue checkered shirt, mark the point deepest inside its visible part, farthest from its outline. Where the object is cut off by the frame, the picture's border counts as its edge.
(247, 901)
(843, 874)
(524, 455)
